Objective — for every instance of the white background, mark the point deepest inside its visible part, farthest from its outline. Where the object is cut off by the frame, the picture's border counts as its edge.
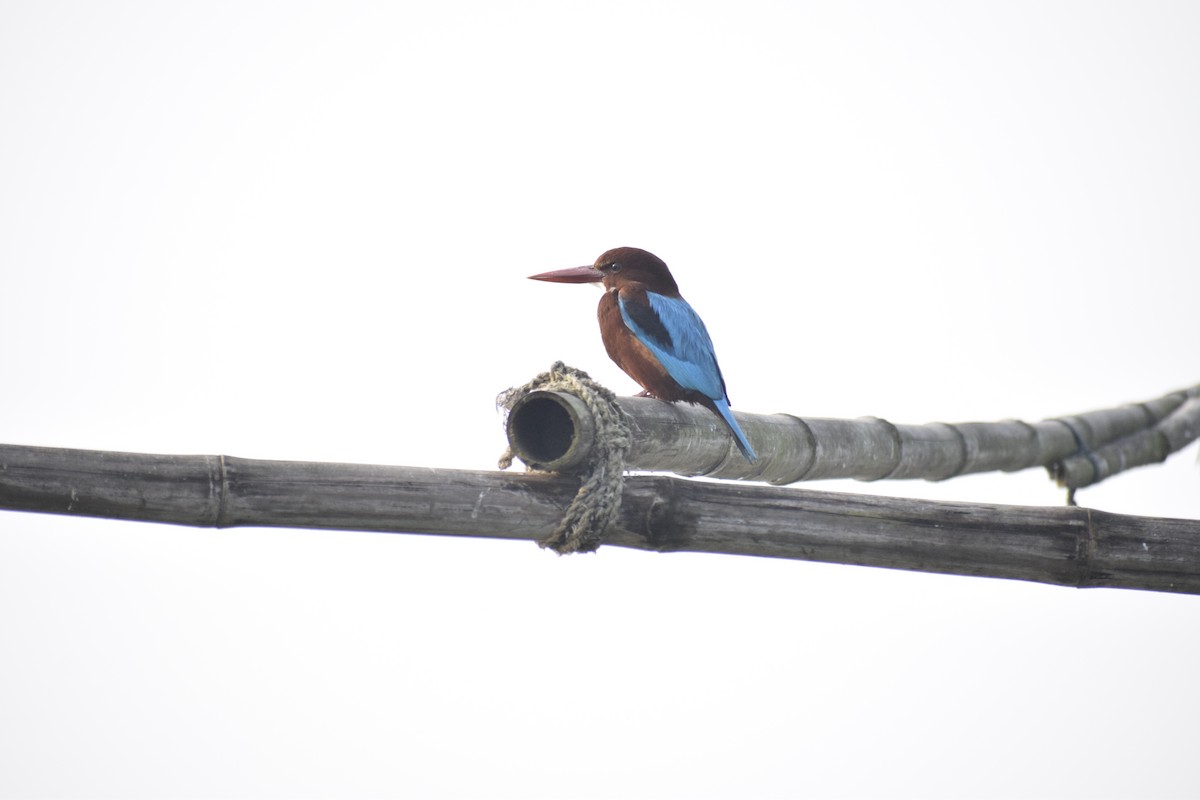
(302, 230)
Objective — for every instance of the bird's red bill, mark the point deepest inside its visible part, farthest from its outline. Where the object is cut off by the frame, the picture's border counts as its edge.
(572, 275)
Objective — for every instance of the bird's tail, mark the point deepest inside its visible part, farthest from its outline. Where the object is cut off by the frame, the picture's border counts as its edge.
(722, 408)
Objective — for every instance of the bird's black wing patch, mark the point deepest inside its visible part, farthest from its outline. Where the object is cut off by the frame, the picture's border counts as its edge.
(648, 321)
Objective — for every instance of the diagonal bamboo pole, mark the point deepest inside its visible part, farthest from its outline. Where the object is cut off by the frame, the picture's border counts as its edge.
(1150, 445)
(553, 430)
(1063, 546)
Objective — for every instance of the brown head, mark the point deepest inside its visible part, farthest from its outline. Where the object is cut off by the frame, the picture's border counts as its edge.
(619, 267)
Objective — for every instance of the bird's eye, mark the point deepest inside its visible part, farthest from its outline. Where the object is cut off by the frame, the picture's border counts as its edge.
(614, 267)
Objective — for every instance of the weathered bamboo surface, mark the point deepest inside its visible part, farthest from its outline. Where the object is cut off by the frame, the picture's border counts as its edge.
(1064, 546)
(555, 431)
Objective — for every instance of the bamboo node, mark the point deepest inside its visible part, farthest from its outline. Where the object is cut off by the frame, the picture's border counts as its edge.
(597, 504)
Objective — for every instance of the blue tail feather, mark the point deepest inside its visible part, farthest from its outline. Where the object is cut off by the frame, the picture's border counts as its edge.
(743, 443)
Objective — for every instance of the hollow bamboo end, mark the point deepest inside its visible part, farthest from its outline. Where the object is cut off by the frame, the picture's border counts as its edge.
(551, 431)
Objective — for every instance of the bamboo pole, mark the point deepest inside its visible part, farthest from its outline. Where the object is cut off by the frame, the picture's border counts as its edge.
(554, 430)
(1063, 546)
(1150, 445)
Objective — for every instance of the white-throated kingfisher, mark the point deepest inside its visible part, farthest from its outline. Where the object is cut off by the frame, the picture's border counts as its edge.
(652, 333)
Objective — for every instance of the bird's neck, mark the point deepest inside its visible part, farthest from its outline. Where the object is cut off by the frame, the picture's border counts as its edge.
(633, 288)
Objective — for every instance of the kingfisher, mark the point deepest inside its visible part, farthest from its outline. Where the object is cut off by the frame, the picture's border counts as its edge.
(652, 333)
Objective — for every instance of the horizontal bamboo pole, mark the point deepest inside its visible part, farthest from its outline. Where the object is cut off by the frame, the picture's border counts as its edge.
(554, 430)
(1063, 545)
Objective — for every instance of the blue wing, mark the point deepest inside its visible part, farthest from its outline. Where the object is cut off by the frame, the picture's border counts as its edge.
(676, 335)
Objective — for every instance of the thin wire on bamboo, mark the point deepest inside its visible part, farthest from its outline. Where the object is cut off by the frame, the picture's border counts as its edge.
(1063, 546)
(552, 429)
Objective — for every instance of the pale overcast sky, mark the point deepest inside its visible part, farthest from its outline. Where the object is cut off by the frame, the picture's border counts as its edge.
(302, 230)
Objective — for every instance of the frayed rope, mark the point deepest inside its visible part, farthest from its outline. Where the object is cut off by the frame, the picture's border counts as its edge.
(597, 504)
